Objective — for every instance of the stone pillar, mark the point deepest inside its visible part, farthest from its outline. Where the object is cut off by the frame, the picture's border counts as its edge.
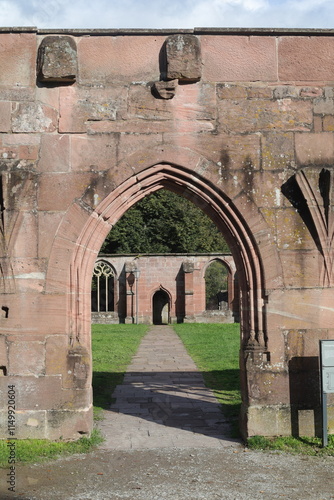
(230, 290)
(188, 269)
(130, 267)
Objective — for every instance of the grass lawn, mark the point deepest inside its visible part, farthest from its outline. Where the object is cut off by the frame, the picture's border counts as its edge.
(215, 350)
(113, 347)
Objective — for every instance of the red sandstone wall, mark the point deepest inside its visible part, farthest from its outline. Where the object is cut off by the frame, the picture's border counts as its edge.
(262, 110)
(165, 272)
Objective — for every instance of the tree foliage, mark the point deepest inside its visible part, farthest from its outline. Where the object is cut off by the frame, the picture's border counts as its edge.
(164, 223)
(215, 282)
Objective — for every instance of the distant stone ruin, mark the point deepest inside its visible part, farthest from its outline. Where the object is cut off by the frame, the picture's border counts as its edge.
(155, 289)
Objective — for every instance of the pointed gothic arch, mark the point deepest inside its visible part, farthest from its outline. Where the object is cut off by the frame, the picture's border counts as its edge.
(229, 276)
(84, 229)
(214, 202)
(161, 302)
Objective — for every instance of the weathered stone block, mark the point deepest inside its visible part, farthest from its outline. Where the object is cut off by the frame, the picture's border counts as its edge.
(17, 61)
(259, 92)
(195, 102)
(106, 60)
(17, 94)
(96, 152)
(311, 92)
(33, 354)
(130, 143)
(54, 153)
(67, 424)
(277, 150)
(62, 186)
(304, 343)
(47, 222)
(318, 124)
(57, 59)
(165, 90)
(183, 58)
(49, 95)
(133, 126)
(26, 236)
(228, 152)
(34, 117)
(79, 106)
(314, 148)
(56, 349)
(20, 190)
(292, 236)
(32, 316)
(324, 106)
(257, 114)
(3, 355)
(78, 368)
(285, 91)
(142, 104)
(31, 424)
(5, 116)
(226, 91)
(238, 58)
(305, 58)
(328, 123)
(188, 266)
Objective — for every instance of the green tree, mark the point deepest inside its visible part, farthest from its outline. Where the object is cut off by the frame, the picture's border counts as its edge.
(215, 282)
(164, 223)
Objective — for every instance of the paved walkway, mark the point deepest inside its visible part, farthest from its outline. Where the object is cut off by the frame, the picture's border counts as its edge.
(163, 402)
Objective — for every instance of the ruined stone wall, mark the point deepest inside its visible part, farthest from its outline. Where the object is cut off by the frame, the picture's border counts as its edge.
(165, 272)
(241, 123)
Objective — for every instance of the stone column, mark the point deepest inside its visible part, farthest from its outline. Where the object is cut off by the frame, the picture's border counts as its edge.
(188, 269)
(130, 267)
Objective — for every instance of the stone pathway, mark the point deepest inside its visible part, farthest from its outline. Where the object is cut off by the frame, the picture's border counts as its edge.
(163, 402)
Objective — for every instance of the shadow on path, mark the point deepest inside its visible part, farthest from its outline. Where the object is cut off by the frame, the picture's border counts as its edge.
(163, 401)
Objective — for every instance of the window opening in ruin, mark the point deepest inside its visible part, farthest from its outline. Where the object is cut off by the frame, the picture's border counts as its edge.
(216, 287)
(103, 287)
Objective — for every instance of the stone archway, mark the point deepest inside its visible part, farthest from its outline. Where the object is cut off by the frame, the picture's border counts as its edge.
(160, 307)
(239, 235)
(217, 205)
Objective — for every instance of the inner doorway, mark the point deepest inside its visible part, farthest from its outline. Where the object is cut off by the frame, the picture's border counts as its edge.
(160, 307)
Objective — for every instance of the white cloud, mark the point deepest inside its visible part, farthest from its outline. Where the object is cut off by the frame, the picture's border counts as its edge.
(10, 14)
(170, 14)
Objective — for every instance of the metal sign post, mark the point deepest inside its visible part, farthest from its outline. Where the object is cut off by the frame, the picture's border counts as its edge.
(327, 381)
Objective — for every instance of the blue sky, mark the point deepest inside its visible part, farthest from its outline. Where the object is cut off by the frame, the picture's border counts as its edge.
(167, 13)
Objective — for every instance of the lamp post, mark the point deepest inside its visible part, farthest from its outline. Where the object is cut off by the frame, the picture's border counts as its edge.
(136, 273)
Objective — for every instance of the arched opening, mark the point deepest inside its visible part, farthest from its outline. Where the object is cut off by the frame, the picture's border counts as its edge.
(203, 192)
(213, 202)
(160, 307)
(216, 286)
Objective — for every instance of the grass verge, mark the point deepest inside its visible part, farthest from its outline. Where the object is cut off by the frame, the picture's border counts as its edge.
(38, 450)
(302, 445)
(215, 350)
(113, 347)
